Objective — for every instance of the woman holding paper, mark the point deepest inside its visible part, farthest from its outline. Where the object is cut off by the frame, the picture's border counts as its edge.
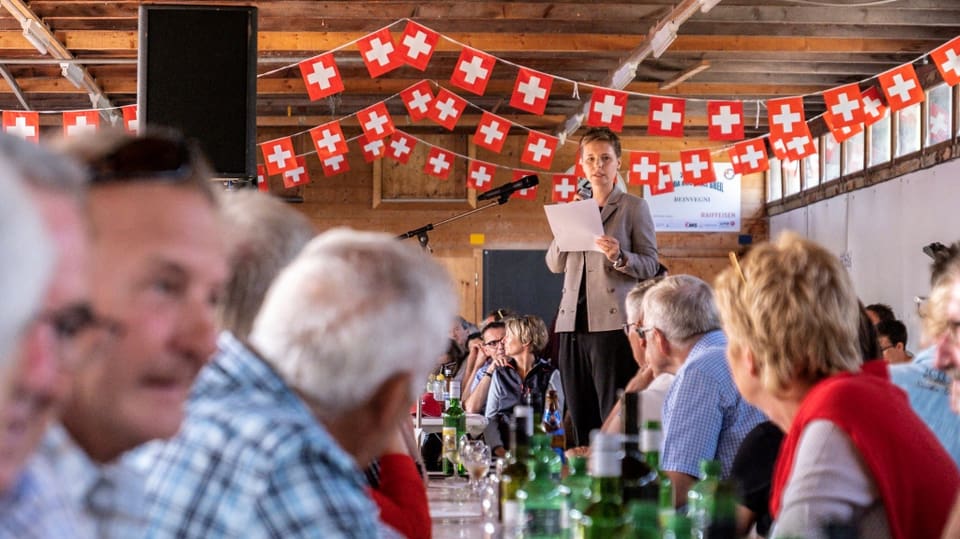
(594, 353)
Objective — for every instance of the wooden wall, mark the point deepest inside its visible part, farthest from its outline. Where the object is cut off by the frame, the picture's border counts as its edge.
(348, 200)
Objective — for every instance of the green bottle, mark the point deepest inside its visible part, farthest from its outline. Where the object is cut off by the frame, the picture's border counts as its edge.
(678, 527)
(516, 472)
(542, 450)
(722, 511)
(650, 438)
(542, 507)
(701, 495)
(578, 491)
(454, 426)
(640, 481)
(603, 518)
(641, 520)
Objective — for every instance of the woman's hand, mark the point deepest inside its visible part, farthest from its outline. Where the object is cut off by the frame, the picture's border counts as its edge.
(610, 247)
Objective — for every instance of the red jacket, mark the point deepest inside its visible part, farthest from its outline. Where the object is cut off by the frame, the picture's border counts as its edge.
(402, 497)
(916, 478)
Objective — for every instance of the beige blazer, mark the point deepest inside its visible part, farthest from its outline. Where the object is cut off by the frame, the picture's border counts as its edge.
(627, 218)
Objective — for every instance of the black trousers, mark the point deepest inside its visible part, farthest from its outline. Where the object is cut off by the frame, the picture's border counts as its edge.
(593, 366)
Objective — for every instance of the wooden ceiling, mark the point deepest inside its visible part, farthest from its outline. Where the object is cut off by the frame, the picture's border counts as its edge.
(755, 49)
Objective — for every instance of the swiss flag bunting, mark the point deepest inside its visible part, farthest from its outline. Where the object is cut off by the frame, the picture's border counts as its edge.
(80, 122)
(530, 193)
(666, 116)
(697, 167)
(321, 76)
(335, 164)
(607, 109)
(531, 91)
(473, 70)
(278, 154)
(800, 145)
(24, 124)
(644, 168)
(901, 86)
(262, 184)
(480, 175)
(539, 150)
(664, 183)
(418, 99)
(328, 139)
(842, 133)
(873, 107)
(417, 45)
(947, 59)
(446, 108)
(564, 187)
(439, 163)
(725, 120)
(844, 105)
(778, 146)
(785, 116)
(376, 121)
(401, 147)
(749, 157)
(379, 53)
(296, 175)
(130, 123)
(491, 132)
(372, 149)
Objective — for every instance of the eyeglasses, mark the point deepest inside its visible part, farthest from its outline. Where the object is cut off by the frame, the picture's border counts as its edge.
(493, 344)
(641, 331)
(885, 348)
(144, 157)
(626, 327)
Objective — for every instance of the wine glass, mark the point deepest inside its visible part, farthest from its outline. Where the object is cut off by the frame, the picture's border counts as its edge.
(475, 456)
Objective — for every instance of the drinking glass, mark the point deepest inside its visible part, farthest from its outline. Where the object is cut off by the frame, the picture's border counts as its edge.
(475, 456)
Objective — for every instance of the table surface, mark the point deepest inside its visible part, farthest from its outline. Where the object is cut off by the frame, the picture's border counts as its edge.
(456, 513)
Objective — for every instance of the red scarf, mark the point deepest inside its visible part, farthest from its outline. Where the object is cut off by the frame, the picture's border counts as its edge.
(916, 478)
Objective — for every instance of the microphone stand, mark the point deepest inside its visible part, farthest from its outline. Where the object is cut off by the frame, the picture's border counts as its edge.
(421, 233)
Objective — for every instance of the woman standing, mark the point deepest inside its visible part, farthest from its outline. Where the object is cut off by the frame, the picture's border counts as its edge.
(593, 353)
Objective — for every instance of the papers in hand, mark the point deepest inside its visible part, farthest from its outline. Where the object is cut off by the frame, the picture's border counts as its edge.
(575, 225)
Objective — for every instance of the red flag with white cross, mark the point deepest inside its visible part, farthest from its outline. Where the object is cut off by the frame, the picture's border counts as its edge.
(664, 183)
(417, 45)
(297, 175)
(539, 150)
(321, 76)
(607, 109)
(666, 116)
(749, 157)
(564, 187)
(901, 86)
(800, 145)
(529, 193)
(778, 146)
(947, 59)
(24, 124)
(447, 108)
(130, 123)
(335, 164)
(400, 147)
(480, 175)
(80, 122)
(418, 99)
(531, 91)
(372, 149)
(644, 168)
(328, 139)
(376, 121)
(697, 167)
(491, 132)
(842, 133)
(278, 155)
(262, 184)
(473, 71)
(844, 105)
(785, 116)
(379, 53)
(725, 120)
(439, 163)
(873, 107)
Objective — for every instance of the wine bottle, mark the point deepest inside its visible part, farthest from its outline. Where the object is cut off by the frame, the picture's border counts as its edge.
(553, 424)
(603, 518)
(699, 497)
(541, 504)
(640, 480)
(454, 427)
(577, 490)
(515, 473)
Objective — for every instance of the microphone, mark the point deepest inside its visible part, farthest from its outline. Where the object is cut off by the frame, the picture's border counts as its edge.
(504, 191)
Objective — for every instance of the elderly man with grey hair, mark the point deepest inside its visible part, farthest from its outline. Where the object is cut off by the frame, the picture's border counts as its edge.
(704, 416)
(278, 428)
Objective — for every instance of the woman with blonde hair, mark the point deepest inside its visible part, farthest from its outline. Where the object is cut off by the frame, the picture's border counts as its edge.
(854, 451)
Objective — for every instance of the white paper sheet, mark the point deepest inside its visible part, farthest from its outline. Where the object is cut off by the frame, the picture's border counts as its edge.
(575, 225)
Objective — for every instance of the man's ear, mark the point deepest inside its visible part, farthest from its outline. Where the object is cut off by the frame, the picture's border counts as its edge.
(753, 366)
(661, 342)
(902, 347)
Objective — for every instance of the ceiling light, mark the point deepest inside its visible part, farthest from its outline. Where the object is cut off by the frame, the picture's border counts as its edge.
(662, 38)
(33, 34)
(623, 76)
(73, 73)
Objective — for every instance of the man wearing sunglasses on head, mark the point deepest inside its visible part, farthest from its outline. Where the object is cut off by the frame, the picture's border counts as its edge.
(158, 264)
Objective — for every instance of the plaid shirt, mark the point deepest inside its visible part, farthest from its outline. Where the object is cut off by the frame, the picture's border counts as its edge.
(704, 416)
(36, 508)
(250, 460)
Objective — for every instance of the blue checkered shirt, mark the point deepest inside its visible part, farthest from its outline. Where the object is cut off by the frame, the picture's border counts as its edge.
(36, 508)
(250, 460)
(704, 416)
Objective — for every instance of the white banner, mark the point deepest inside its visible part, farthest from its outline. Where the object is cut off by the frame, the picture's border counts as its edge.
(714, 207)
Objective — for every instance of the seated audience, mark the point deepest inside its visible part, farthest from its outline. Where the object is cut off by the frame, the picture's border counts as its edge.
(279, 428)
(525, 373)
(704, 417)
(892, 339)
(477, 386)
(158, 264)
(848, 432)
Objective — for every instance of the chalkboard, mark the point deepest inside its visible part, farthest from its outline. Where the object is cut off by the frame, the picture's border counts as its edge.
(520, 280)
